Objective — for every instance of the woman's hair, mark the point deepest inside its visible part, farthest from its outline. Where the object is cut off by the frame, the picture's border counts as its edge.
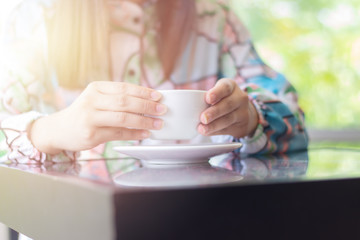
(78, 33)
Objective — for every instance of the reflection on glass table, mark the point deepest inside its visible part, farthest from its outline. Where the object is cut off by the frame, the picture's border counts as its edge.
(160, 175)
(226, 168)
(230, 168)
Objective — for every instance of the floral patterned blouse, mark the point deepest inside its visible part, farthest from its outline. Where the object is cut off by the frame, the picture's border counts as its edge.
(223, 49)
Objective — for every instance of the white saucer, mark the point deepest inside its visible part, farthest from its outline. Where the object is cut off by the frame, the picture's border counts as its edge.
(177, 153)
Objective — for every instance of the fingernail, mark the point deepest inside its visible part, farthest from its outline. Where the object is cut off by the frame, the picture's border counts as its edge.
(160, 108)
(205, 118)
(158, 123)
(155, 95)
(202, 129)
(210, 98)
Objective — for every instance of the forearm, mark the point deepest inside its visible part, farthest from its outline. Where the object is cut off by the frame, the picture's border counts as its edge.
(253, 119)
(280, 129)
(284, 129)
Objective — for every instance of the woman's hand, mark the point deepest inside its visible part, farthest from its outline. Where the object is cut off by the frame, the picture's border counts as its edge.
(104, 111)
(230, 111)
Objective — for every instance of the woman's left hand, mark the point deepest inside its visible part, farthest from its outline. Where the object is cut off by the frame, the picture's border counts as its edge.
(230, 111)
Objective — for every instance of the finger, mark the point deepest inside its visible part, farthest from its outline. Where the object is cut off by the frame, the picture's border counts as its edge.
(124, 119)
(124, 103)
(223, 88)
(237, 130)
(224, 107)
(219, 124)
(106, 134)
(107, 87)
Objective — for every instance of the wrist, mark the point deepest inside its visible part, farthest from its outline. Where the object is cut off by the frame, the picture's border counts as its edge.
(253, 119)
(40, 135)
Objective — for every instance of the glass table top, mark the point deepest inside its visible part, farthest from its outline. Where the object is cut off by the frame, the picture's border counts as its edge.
(317, 163)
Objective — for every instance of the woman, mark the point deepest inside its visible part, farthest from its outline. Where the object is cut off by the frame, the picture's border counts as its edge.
(91, 70)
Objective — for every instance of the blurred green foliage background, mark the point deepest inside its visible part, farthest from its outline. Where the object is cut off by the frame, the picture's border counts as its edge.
(316, 44)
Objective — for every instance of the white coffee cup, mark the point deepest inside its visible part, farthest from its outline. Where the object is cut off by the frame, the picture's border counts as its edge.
(184, 108)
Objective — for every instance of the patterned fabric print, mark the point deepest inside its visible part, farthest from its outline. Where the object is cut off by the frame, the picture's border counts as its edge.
(281, 119)
(221, 47)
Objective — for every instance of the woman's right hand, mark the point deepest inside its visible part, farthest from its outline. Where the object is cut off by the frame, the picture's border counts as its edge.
(104, 111)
